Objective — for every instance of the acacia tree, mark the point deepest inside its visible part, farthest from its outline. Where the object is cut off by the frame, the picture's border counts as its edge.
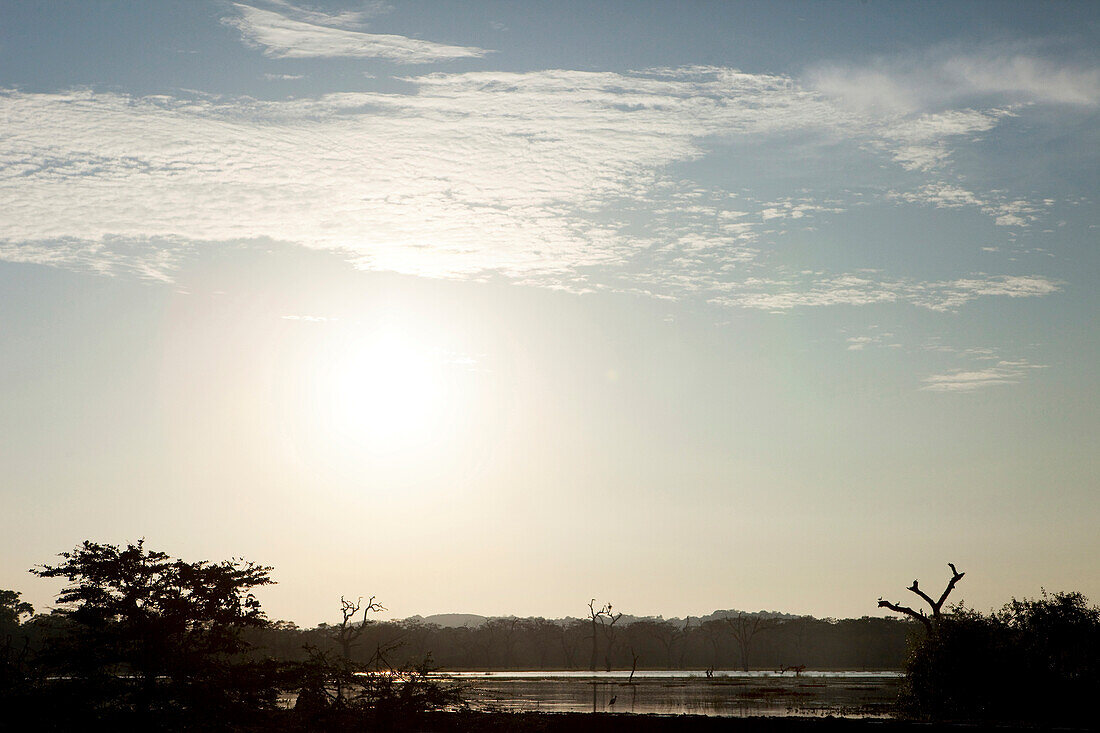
(137, 613)
(743, 627)
(930, 624)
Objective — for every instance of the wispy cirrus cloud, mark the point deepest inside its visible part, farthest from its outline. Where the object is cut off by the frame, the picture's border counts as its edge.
(941, 78)
(316, 35)
(926, 102)
(885, 339)
(155, 258)
(971, 380)
(348, 19)
(857, 289)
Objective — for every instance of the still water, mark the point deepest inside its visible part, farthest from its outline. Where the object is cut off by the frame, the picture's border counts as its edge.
(847, 694)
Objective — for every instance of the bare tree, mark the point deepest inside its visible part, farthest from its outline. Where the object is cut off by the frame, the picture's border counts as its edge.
(571, 636)
(502, 634)
(604, 619)
(712, 633)
(936, 605)
(347, 632)
(609, 637)
(743, 627)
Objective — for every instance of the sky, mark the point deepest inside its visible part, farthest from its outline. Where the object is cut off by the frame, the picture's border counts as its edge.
(496, 307)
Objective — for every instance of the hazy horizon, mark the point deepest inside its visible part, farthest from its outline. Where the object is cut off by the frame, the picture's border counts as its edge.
(495, 308)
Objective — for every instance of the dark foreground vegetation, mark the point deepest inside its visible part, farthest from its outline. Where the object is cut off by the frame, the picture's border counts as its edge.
(141, 639)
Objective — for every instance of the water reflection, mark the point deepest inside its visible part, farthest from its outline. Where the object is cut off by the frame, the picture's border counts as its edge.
(848, 694)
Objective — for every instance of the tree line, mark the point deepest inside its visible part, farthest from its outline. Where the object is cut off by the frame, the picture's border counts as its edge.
(178, 644)
(736, 642)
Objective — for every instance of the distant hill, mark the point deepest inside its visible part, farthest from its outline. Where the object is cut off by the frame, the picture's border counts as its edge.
(729, 613)
(451, 620)
(473, 620)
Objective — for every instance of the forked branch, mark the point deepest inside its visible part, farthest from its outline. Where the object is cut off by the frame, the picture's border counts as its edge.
(935, 605)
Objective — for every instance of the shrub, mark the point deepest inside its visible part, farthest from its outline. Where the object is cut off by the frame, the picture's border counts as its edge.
(1035, 660)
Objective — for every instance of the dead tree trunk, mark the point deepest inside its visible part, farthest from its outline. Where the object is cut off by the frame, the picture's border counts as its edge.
(936, 605)
(594, 614)
(348, 632)
(602, 619)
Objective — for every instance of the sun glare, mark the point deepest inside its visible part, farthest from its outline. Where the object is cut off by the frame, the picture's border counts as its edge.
(385, 393)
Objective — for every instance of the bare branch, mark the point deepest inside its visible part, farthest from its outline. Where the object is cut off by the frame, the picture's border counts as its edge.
(956, 576)
(914, 588)
(897, 608)
(935, 605)
(349, 609)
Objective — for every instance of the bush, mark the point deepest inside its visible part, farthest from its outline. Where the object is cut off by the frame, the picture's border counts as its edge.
(1035, 660)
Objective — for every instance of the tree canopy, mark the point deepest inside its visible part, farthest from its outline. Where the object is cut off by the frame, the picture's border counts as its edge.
(172, 626)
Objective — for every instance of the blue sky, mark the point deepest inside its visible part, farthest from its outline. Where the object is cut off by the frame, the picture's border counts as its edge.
(708, 305)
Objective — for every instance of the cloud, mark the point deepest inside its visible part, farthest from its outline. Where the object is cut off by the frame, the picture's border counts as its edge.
(970, 380)
(925, 102)
(1027, 76)
(940, 78)
(857, 289)
(943, 195)
(561, 179)
(348, 19)
(148, 259)
(476, 173)
(921, 142)
(320, 36)
(858, 343)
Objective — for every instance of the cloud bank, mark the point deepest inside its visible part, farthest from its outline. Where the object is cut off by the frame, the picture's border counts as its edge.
(554, 178)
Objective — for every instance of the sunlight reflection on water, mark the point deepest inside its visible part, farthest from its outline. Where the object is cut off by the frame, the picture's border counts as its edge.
(846, 694)
(671, 674)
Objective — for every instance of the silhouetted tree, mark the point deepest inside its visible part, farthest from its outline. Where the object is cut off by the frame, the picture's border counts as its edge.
(936, 605)
(743, 628)
(1035, 660)
(346, 634)
(348, 631)
(572, 634)
(12, 609)
(137, 613)
(14, 642)
(604, 619)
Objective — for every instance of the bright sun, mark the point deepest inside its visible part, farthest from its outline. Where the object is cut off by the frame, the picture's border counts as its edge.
(385, 393)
